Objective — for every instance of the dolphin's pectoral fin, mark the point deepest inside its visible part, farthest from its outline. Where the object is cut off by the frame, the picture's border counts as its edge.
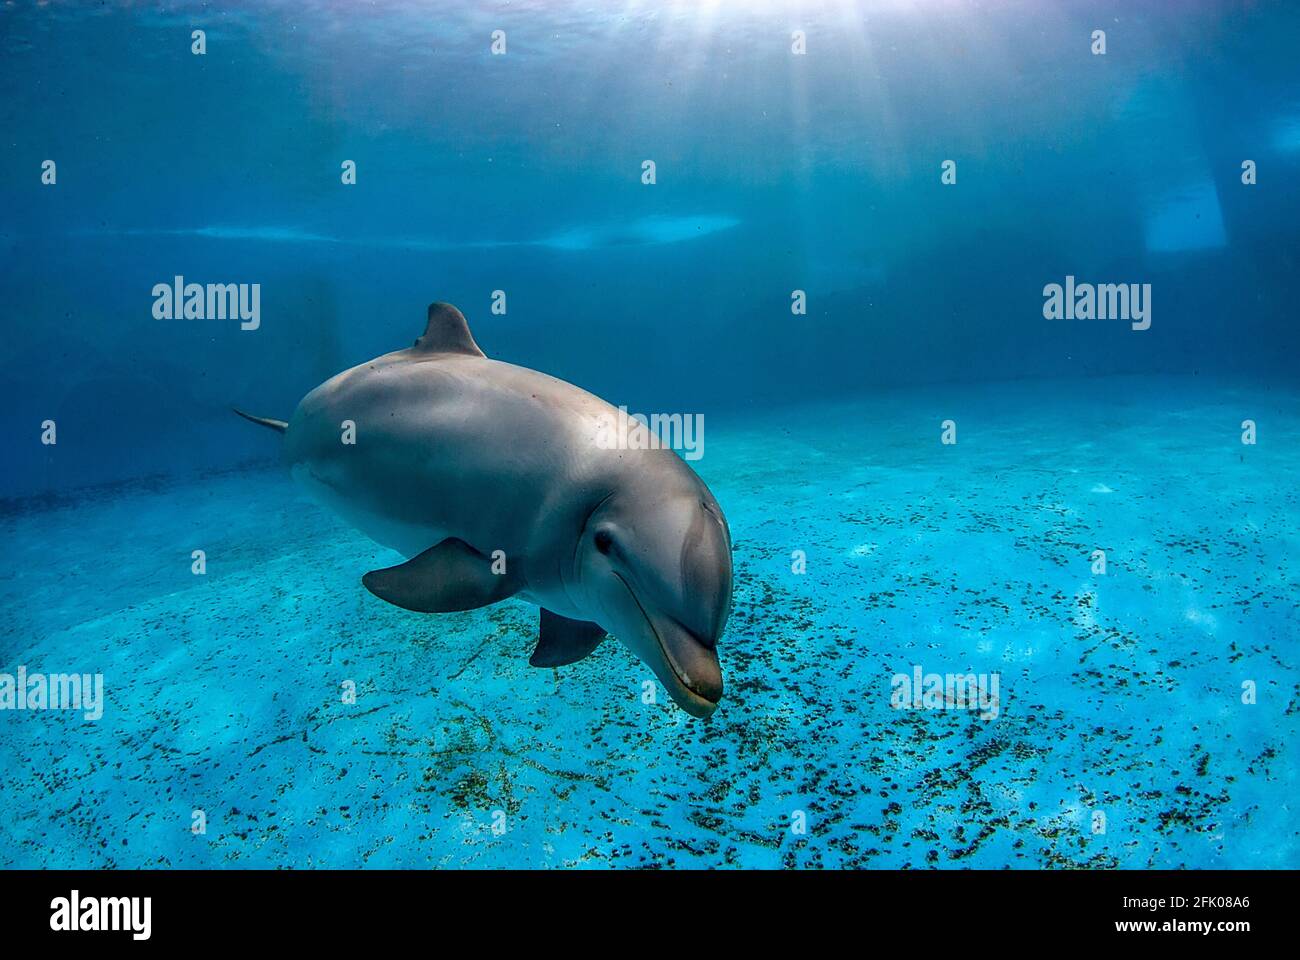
(564, 640)
(449, 576)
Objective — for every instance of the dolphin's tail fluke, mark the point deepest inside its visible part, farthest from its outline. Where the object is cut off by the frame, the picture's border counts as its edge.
(277, 425)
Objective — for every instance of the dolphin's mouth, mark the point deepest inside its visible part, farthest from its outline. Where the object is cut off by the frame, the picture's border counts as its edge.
(696, 698)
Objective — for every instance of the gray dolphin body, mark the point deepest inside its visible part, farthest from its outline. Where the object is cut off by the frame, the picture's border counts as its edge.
(495, 481)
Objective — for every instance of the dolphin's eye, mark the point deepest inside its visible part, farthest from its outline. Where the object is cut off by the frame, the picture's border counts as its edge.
(604, 541)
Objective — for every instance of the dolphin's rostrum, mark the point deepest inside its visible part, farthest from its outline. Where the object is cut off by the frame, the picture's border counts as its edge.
(493, 481)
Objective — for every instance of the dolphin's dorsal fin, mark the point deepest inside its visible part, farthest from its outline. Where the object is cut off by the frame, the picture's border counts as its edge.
(447, 332)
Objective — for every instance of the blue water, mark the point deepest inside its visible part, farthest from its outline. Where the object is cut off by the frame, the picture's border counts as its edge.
(864, 545)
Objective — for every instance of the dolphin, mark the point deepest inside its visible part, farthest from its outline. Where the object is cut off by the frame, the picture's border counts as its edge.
(498, 481)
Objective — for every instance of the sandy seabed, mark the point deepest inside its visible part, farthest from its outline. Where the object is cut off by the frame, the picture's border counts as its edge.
(1119, 694)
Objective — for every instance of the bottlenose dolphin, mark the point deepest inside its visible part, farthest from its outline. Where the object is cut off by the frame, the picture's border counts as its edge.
(498, 481)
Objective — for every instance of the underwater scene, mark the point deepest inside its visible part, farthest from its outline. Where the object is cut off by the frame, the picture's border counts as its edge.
(680, 434)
